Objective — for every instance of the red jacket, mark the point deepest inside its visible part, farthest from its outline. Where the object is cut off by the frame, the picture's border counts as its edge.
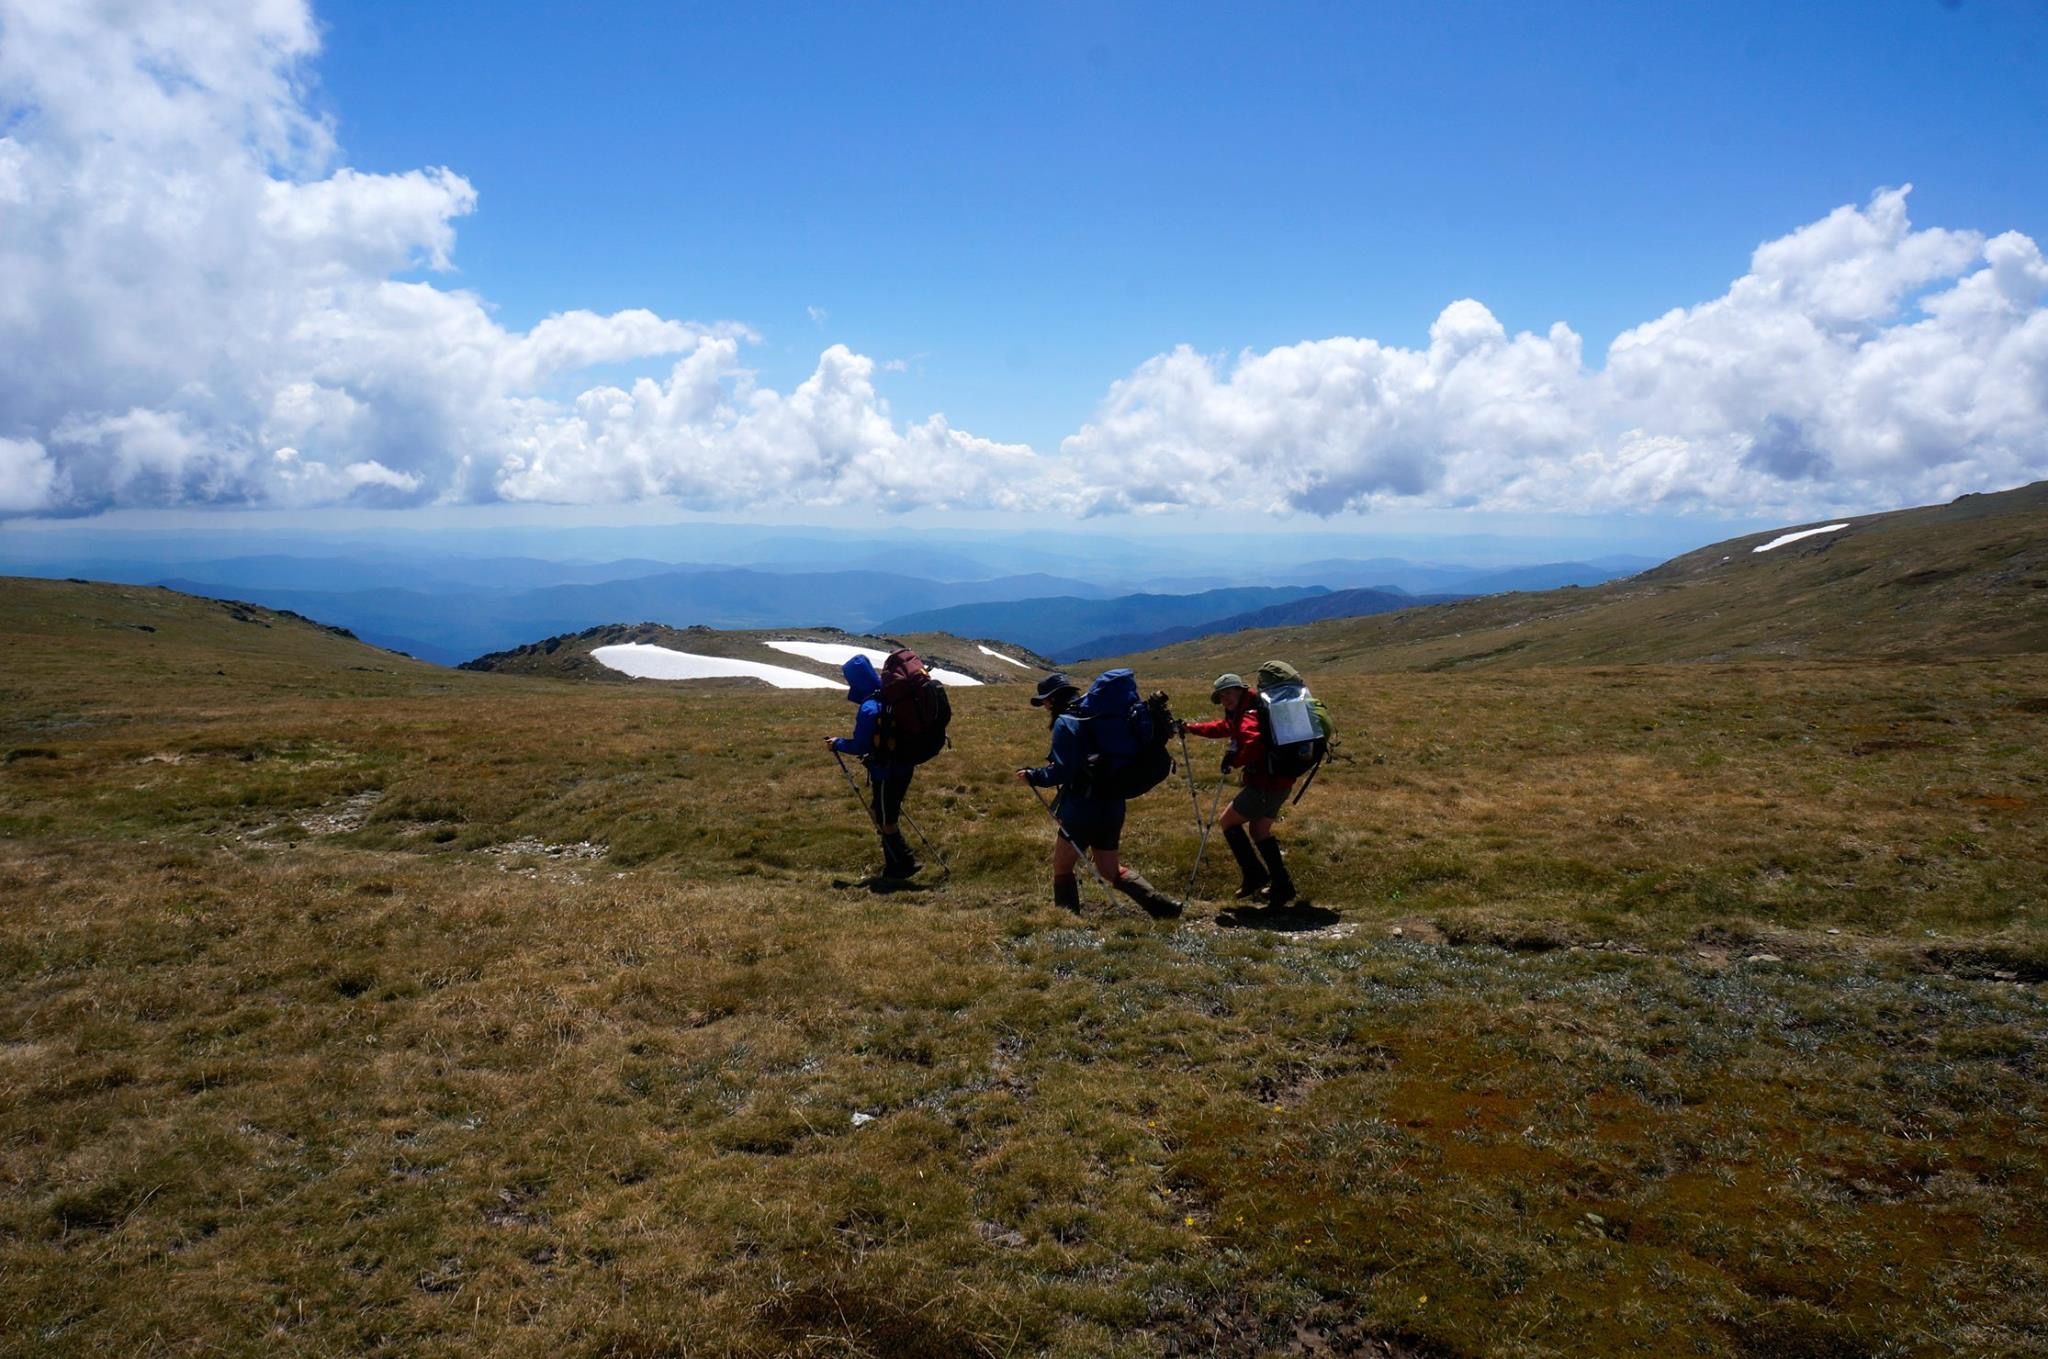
(1247, 747)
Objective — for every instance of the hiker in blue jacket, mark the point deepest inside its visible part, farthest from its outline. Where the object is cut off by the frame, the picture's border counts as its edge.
(888, 783)
(1090, 818)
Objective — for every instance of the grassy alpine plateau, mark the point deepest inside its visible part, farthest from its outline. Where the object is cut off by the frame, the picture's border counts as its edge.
(349, 1005)
(1939, 583)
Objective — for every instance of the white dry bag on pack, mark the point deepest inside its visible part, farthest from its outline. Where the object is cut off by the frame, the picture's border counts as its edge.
(1296, 726)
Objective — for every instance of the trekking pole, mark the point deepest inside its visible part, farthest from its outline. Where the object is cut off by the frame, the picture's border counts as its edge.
(866, 810)
(1086, 857)
(1215, 806)
(874, 817)
(875, 820)
(1187, 766)
(945, 869)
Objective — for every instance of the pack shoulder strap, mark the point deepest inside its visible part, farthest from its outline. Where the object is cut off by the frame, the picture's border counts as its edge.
(1313, 770)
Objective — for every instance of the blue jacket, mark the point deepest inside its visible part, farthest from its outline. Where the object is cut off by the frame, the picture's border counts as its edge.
(1067, 761)
(862, 686)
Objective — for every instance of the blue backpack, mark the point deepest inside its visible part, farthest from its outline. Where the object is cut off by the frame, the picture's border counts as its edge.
(1125, 736)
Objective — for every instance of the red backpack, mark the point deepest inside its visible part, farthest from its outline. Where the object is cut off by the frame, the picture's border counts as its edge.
(915, 710)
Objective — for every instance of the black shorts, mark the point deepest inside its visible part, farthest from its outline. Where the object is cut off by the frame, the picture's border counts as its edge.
(889, 791)
(1091, 822)
(1259, 804)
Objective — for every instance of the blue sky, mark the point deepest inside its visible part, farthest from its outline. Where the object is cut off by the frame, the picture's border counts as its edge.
(1289, 263)
(1028, 202)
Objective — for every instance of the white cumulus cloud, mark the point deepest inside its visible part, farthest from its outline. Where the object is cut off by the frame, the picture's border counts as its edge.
(1859, 361)
(1339, 424)
(200, 304)
(28, 478)
(709, 436)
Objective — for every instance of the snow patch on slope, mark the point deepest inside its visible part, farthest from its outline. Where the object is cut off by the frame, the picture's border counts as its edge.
(1785, 538)
(838, 653)
(644, 661)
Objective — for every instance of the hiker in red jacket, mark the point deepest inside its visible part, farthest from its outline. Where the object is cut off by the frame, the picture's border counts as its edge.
(1259, 801)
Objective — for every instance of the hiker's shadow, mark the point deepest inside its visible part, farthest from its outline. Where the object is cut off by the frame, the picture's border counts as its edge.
(883, 887)
(1299, 917)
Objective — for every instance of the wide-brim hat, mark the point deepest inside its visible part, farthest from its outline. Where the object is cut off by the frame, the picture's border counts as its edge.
(1050, 688)
(1225, 681)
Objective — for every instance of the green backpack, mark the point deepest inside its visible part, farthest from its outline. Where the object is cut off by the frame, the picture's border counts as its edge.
(1296, 723)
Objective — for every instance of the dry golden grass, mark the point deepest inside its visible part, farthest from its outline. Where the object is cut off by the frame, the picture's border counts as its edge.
(1938, 583)
(394, 1011)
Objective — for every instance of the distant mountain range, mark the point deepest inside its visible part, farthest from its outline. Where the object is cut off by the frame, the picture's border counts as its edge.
(441, 575)
(452, 626)
(1076, 629)
(531, 555)
(1939, 583)
(1062, 626)
(1332, 604)
(1398, 576)
(450, 608)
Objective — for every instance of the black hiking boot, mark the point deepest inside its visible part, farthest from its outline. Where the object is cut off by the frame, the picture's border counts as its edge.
(1252, 873)
(1156, 903)
(1282, 891)
(1067, 892)
(897, 860)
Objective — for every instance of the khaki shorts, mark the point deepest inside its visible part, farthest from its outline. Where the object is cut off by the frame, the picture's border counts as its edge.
(1258, 804)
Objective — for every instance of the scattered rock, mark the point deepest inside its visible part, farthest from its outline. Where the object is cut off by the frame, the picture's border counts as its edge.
(1312, 934)
(1416, 929)
(445, 1277)
(345, 818)
(512, 1210)
(996, 1234)
(1764, 958)
(527, 844)
(862, 1120)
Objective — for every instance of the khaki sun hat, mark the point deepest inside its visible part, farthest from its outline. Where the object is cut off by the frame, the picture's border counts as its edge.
(1224, 681)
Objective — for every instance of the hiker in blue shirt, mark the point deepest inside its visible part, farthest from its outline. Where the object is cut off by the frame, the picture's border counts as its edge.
(888, 783)
(1090, 819)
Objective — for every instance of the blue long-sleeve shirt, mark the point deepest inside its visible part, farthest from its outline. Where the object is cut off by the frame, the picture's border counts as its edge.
(1067, 761)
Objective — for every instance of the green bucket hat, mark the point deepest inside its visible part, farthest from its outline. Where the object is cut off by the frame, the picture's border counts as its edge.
(1224, 681)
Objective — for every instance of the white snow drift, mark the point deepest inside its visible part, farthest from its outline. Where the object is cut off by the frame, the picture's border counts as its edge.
(838, 653)
(645, 661)
(1012, 660)
(1785, 538)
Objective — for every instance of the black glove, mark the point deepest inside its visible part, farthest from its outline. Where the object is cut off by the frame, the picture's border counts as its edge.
(1228, 756)
(1180, 728)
